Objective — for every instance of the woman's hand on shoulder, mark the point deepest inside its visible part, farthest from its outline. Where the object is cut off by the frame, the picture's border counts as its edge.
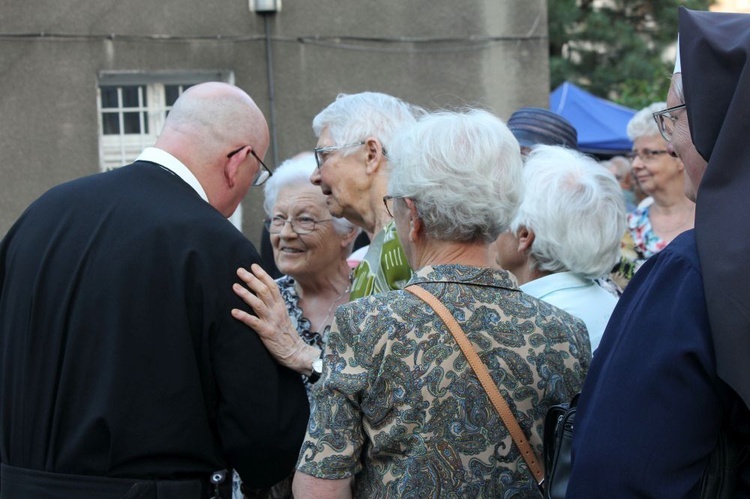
(271, 321)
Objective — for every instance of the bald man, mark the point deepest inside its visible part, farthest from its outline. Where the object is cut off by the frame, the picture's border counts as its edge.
(122, 371)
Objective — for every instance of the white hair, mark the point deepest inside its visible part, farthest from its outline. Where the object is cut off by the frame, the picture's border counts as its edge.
(297, 171)
(642, 124)
(575, 208)
(354, 117)
(464, 172)
(621, 165)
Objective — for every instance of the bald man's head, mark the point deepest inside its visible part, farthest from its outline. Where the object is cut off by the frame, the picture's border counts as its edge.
(207, 122)
(217, 116)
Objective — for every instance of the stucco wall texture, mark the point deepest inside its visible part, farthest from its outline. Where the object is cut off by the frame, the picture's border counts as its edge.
(434, 53)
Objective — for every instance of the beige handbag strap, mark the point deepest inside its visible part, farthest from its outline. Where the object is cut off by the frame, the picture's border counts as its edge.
(484, 378)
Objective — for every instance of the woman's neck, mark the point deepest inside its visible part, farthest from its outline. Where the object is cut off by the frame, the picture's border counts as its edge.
(324, 283)
(670, 220)
(433, 252)
(672, 196)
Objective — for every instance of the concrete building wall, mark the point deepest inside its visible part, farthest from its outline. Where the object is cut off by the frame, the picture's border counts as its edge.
(434, 53)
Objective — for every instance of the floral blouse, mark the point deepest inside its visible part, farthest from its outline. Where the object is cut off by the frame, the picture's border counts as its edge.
(638, 245)
(300, 322)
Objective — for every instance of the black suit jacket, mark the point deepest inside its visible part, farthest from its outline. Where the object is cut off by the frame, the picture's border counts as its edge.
(118, 353)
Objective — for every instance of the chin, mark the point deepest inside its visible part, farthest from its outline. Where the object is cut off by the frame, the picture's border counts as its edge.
(335, 209)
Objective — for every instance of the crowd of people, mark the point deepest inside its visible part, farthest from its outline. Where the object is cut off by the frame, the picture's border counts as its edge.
(147, 353)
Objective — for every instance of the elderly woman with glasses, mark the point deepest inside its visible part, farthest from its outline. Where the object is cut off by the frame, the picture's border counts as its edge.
(398, 412)
(668, 212)
(310, 247)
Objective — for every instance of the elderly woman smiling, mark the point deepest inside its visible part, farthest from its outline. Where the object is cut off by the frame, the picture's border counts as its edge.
(397, 411)
(310, 247)
(650, 228)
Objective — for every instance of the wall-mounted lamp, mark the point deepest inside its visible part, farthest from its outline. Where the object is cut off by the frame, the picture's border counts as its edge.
(265, 6)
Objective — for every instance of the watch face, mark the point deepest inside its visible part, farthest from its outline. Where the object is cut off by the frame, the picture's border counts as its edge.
(317, 366)
(317, 370)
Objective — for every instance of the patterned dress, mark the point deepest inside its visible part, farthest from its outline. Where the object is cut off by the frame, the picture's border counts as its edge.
(638, 245)
(399, 409)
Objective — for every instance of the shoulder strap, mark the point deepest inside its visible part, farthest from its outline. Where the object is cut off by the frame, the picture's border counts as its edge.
(501, 406)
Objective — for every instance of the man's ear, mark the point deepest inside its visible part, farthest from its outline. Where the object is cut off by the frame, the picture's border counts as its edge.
(375, 156)
(232, 167)
(525, 238)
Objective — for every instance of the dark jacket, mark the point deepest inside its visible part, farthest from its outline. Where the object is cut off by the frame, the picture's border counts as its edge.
(118, 353)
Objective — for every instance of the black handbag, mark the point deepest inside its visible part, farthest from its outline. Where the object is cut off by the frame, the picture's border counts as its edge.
(558, 441)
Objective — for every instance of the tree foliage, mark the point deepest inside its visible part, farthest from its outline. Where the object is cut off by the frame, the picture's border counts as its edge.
(615, 49)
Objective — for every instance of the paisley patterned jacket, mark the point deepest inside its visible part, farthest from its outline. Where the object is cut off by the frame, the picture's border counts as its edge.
(399, 408)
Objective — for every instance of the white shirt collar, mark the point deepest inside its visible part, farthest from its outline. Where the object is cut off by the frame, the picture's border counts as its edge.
(174, 165)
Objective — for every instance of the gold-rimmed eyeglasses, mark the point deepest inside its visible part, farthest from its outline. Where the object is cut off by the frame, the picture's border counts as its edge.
(666, 122)
(264, 173)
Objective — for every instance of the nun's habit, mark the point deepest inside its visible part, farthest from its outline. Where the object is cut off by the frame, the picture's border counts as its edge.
(673, 368)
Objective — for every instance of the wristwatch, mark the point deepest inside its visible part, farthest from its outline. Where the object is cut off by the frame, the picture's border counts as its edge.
(317, 370)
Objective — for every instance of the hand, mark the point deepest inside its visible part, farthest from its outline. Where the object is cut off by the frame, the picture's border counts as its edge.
(272, 323)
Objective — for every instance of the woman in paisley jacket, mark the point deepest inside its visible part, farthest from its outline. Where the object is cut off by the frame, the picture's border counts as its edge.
(397, 411)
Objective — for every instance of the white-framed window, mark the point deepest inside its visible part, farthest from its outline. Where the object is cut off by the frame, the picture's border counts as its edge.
(132, 107)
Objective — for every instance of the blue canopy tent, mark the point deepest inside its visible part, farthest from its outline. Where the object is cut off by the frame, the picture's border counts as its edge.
(601, 124)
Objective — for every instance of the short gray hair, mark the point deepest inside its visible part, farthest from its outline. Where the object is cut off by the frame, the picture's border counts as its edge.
(464, 172)
(642, 124)
(621, 164)
(297, 171)
(575, 208)
(353, 117)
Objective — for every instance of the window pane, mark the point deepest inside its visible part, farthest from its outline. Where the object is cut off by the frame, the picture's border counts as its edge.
(132, 122)
(171, 92)
(110, 123)
(109, 97)
(130, 96)
(145, 122)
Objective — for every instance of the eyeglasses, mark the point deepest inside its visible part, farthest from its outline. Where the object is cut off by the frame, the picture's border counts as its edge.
(666, 126)
(323, 153)
(646, 155)
(264, 173)
(388, 202)
(300, 225)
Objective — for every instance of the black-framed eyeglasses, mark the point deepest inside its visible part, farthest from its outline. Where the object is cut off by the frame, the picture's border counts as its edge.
(646, 155)
(666, 122)
(264, 173)
(323, 153)
(300, 225)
